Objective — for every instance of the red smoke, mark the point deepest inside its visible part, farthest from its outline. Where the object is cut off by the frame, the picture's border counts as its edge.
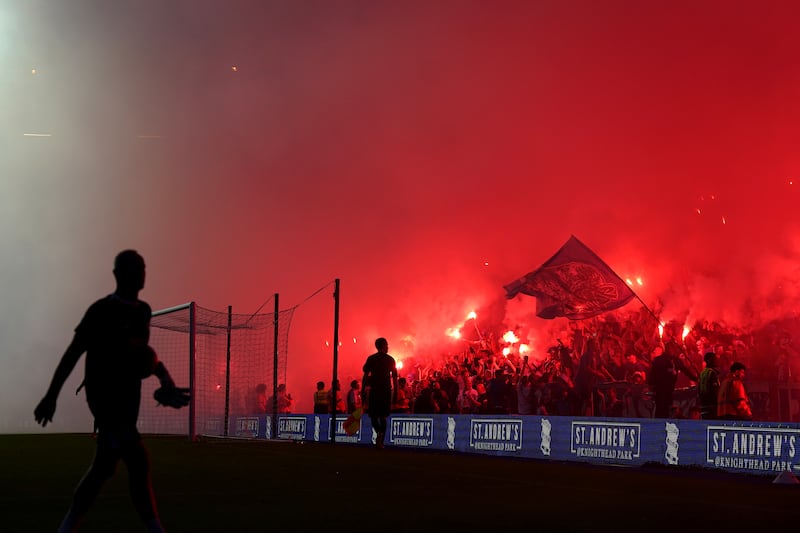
(424, 153)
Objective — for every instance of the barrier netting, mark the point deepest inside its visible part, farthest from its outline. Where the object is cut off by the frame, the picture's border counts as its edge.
(233, 354)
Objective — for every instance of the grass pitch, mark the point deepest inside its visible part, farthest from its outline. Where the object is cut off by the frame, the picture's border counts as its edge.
(231, 486)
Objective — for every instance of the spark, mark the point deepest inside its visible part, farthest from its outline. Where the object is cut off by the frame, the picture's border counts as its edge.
(661, 331)
(724, 221)
(628, 281)
(234, 68)
(33, 71)
(639, 281)
(698, 210)
(354, 340)
(486, 263)
(472, 315)
(37, 134)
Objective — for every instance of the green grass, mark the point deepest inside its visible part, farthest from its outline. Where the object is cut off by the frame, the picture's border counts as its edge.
(230, 486)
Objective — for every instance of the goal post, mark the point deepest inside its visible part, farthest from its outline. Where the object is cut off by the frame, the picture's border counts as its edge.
(222, 356)
(172, 335)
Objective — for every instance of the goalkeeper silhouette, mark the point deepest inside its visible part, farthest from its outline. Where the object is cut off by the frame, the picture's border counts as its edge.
(114, 333)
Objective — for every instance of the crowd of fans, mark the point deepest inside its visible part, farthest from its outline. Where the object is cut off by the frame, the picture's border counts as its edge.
(603, 368)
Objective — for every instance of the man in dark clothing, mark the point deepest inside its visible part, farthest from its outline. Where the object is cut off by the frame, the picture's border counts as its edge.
(380, 375)
(663, 376)
(114, 333)
(588, 376)
(497, 393)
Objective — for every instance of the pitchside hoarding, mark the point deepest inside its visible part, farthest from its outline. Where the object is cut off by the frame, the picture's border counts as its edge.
(751, 447)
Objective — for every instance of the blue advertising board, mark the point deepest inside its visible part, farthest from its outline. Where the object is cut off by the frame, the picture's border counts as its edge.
(748, 447)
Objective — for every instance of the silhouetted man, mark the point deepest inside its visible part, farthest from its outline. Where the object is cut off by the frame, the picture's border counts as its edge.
(663, 376)
(114, 333)
(380, 374)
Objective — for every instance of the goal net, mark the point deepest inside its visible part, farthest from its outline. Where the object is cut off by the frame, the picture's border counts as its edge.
(223, 357)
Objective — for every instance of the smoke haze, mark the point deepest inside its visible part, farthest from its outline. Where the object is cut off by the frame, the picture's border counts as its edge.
(425, 153)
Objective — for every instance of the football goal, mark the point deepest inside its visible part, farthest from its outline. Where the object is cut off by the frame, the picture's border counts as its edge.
(222, 356)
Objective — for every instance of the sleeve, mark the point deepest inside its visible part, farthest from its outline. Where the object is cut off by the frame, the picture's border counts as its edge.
(741, 399)
(147, 315)
(85, 329)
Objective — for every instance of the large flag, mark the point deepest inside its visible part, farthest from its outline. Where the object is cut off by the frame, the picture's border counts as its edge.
(574, 283)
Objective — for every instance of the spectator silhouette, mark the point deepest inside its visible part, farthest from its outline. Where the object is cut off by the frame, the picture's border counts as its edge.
(354, 397)
(321, 405)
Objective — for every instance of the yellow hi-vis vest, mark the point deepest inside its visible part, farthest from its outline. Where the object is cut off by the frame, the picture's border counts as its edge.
(321, 398)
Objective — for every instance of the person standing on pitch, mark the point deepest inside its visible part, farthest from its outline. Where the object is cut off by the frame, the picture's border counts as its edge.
(380, 375)
(114, 333)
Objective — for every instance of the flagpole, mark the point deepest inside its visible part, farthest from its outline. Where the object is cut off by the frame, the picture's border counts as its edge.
(652, 314)
(650, 311)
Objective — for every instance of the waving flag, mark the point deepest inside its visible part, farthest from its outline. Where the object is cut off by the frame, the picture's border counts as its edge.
(353, 422)
(574, 283)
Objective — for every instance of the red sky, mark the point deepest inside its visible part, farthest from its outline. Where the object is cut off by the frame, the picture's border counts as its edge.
(398, 146)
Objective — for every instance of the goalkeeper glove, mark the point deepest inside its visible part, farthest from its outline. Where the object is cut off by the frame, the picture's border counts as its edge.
(168, 394)
(172, 396)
